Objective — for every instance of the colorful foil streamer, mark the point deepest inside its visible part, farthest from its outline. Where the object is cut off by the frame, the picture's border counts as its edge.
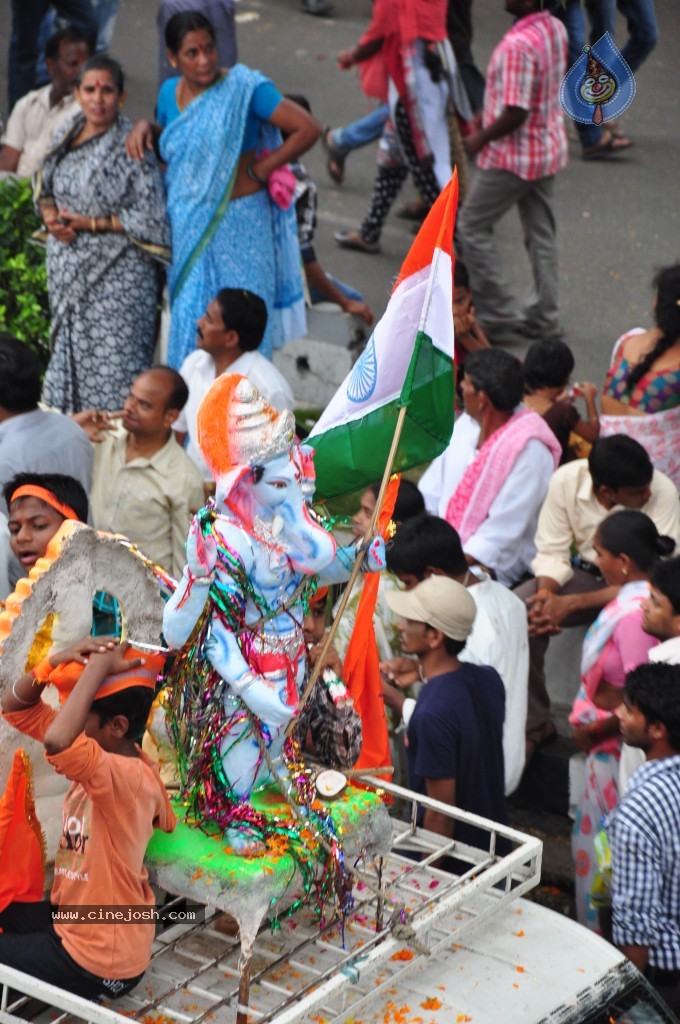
(203, 713)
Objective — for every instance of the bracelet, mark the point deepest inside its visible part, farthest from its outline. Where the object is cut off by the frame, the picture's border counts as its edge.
(256, 177)
(116, 224)
(41, 671)
(26, 703)
(545, 590)
(93, 223)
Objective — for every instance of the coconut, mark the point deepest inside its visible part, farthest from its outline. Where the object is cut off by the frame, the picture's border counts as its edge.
(330, 783)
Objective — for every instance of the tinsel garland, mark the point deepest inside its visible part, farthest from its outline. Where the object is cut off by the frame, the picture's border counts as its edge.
(201, 720)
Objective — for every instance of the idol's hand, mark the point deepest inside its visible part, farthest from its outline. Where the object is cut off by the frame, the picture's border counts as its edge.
(374, 559)
(266, 699)
(201, 552)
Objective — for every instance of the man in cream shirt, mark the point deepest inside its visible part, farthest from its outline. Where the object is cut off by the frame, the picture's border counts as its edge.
(38, 115)
(144, 486)
(228, 335)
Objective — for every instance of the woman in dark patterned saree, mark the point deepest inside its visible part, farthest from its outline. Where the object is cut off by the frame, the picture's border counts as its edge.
(107, 238)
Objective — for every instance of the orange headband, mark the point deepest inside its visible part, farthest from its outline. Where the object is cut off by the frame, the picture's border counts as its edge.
(320, 595)
(32, 491)
(66, 675)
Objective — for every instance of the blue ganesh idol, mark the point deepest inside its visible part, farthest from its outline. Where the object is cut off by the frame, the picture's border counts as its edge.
(254, 558)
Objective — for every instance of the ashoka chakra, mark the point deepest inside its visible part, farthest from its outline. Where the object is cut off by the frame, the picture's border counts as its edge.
(361, 384)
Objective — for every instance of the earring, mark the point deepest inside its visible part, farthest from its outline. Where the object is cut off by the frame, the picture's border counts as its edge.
(625, 572)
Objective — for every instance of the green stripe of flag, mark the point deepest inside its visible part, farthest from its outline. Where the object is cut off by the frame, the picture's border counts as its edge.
(353, 455)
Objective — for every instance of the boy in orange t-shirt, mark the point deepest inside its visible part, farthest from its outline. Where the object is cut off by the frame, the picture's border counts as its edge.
(93, 937)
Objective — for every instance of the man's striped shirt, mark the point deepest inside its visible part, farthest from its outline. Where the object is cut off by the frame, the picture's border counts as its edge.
(644, 835)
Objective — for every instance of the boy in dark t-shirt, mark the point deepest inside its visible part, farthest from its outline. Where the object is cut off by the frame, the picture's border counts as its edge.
(455, 733)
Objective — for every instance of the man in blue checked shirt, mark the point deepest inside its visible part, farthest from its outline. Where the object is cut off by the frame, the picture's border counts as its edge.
(644, 831)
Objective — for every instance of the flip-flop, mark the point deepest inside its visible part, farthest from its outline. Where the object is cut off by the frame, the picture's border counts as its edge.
(615, 129)
(318, 7)
(620, 141)
(335, 164)
(413, 211)
(609, 145)
(353, 240)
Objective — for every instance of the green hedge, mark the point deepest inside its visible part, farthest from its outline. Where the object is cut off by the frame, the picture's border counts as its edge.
(24, 309)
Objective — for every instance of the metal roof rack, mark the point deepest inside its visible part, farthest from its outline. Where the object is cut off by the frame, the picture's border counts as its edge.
(307, 970)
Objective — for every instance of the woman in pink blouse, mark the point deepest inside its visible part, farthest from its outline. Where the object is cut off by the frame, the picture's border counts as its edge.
(627, 544)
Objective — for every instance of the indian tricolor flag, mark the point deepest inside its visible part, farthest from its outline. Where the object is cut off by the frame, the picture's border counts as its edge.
(408, 361)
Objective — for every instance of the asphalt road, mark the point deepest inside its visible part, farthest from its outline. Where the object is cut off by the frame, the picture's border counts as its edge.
(617, 220)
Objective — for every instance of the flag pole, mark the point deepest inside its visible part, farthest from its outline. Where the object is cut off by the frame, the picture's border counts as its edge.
(361, 551)
(330, 636)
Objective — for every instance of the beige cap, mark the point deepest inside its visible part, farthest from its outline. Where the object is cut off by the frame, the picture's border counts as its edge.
(440, 602)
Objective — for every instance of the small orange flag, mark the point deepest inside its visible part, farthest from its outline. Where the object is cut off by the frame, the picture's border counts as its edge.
(361, 671)
(22, 845)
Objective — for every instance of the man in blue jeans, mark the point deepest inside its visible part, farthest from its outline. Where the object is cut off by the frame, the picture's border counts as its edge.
(27, 16)
(339, 142)
(601, 141)
(642, 28)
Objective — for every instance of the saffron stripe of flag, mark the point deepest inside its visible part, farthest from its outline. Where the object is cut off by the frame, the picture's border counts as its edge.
(361, 668)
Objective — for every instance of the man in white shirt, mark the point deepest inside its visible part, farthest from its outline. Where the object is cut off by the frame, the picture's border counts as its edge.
(427, 546)
(568, 589)
(491, 481)
(33, 441)
(228, 335)
(5, 554)
(38, 115)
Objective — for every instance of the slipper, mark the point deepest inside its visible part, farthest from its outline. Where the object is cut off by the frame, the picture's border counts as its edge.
(353, 240)
(417, 210)
(608, 146)
(620, 141)
(615, 129)
(335, 164)
(319, 7)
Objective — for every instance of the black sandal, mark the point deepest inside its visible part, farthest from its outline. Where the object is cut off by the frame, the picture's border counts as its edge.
(335, 163)
(355, 241)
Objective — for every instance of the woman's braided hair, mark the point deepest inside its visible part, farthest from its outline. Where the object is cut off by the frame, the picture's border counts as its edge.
(667, 316)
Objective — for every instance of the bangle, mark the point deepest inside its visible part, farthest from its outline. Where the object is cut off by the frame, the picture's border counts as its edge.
(545, 590)
(256, 177)
(41, 671)
(93, 223)
(116, 224)
(26, 703)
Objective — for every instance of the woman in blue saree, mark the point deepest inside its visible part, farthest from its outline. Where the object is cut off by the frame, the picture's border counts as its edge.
(220, 136)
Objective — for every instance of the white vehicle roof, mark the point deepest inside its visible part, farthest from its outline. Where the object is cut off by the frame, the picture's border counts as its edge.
(526, 964)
